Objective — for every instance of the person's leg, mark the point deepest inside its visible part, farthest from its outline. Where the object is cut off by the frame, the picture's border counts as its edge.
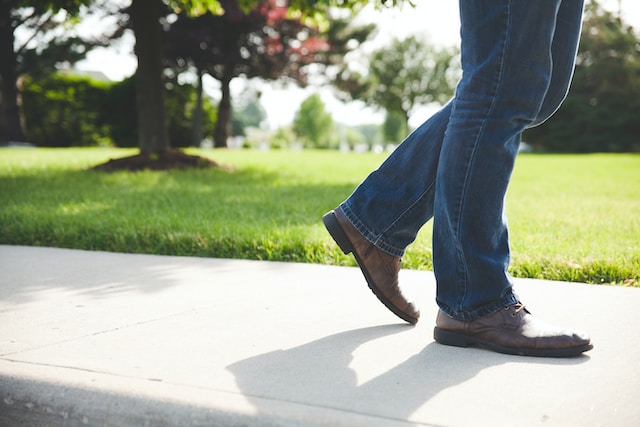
(563, 56)
(508, 48)
(384, 214)
(510, 82)
(395, 201)
(391, 205)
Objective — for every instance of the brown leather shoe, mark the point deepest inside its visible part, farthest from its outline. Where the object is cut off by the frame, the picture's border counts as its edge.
(511, 330)
(379, 268)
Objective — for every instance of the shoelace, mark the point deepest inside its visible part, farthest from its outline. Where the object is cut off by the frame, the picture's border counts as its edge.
(517, 308)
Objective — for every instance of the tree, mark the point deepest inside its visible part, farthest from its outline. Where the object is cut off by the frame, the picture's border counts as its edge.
(154, 138)
(262, 43)
(313, 124)
(343, 38)
(403, 75)
(247, 113)
(63, 110)
(181, 99)
(394, 127)
(282, 138)
(199, 7)
(600, 112)
(35, 19)
(372, 134)
(149, 58)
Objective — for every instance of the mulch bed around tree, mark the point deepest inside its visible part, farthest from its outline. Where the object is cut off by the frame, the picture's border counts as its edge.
(171, 159)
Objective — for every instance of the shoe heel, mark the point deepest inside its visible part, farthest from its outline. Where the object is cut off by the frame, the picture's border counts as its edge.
(445, 337)
(333, 227)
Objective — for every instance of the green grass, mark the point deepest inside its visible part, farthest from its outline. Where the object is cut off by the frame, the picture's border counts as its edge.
(571, 217)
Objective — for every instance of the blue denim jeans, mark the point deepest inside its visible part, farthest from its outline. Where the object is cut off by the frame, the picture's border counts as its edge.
(517, 62)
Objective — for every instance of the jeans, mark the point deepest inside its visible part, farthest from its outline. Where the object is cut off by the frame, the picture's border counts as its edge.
(517, 62)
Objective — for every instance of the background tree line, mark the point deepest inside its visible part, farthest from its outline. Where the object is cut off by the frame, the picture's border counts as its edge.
(63, 109)
(228, 40)
(602, 110)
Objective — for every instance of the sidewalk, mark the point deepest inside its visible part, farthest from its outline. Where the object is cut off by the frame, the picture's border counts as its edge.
(107, 339)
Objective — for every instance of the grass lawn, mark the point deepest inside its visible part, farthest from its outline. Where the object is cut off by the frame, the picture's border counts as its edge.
(571, 217)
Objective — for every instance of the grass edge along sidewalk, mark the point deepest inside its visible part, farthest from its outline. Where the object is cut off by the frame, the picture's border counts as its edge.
(571, 217)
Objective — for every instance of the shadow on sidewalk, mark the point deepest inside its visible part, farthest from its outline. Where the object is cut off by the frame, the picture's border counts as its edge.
(319, 374)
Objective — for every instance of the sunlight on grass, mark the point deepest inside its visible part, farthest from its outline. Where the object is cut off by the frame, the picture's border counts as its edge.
(571, 217)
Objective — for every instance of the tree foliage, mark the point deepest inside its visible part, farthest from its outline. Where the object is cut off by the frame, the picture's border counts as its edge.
(152, 76)
(36, 55)
(600, 113)
(64, 110)
(343, 38)
(263, 42)
(247, 112)
(313, 124)
(146, 15)
(394, 128)
(403, 75)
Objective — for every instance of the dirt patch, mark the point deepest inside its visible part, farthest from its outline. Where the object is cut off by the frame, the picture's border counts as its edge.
(171, 159)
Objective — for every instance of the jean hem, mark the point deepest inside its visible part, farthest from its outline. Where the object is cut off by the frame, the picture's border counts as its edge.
(377, 241)
(466, 315)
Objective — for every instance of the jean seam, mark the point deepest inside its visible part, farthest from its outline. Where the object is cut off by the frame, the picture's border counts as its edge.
(464, 273)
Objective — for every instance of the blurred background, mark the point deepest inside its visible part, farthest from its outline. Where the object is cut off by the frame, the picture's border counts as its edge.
(262, 74)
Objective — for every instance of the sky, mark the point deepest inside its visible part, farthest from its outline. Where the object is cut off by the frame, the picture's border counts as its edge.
(435, 19)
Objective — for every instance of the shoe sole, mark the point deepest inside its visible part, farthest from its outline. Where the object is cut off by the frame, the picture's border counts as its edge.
(457, 339)
(340, 237)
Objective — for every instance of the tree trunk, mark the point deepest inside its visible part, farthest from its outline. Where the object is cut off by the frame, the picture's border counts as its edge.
(152, 129)
(406, 121)
(10, 124)
(223, 124)
(197, 114)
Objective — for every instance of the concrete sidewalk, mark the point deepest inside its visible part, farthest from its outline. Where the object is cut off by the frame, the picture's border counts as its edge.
(107, 339)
